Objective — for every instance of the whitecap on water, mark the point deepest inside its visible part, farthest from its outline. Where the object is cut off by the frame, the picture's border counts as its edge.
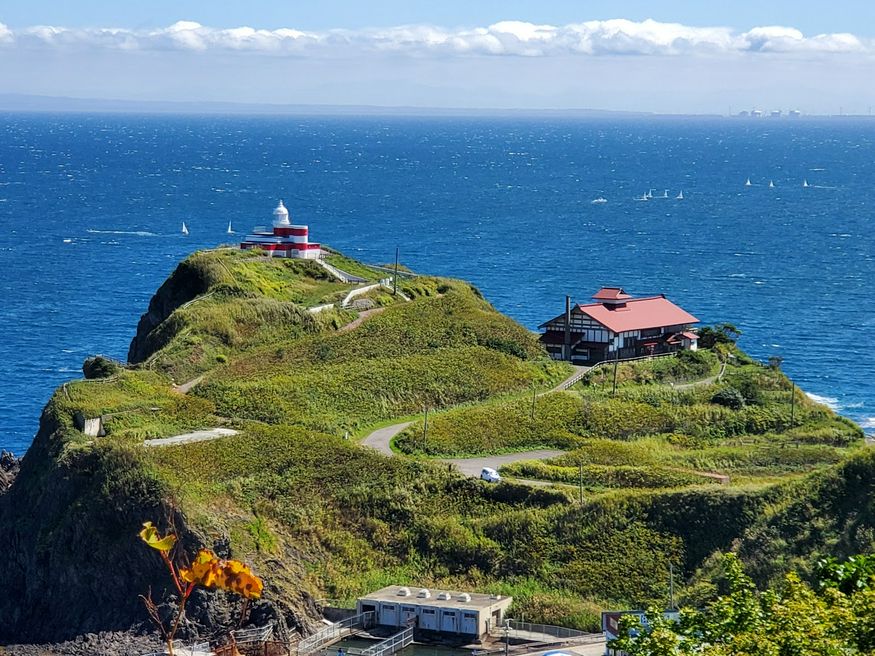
(829, 401)
(867, 422)
(135, 233)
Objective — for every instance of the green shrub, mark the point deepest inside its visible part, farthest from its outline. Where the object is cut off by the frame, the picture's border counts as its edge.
(728, 397)
(498, 427)
(605, 476)
(100, 367)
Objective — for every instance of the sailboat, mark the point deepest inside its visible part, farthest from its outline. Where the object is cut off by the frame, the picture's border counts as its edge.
(184, 229)
(805, 183)
(747, 183)
(642, 197)
(664, 193)
(601, 200)
(680, 195)
(771, 185)
(649, 194)
(230, 229)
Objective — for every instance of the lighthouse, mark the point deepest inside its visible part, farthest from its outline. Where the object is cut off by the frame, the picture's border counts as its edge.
(283, 238)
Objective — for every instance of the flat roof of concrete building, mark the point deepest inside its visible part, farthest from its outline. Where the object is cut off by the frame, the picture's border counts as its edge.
(456, 600)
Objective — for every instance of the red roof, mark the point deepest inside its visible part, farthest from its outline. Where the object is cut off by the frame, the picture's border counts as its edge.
(689, 335)
(639, 314)
(611, 294)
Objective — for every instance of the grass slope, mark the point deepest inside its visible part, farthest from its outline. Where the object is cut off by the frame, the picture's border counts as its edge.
(318, 514)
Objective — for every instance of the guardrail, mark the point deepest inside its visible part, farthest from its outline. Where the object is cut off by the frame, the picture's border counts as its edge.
(334, 632)
(390, 645)
(565, 633)
(257, 634)
(197, 649)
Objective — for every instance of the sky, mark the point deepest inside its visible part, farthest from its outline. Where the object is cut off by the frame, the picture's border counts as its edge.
(671, 56)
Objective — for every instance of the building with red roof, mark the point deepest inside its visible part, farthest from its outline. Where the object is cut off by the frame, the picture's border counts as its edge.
(619, 326)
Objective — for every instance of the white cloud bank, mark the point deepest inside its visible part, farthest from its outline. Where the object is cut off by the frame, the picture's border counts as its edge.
(515, 38)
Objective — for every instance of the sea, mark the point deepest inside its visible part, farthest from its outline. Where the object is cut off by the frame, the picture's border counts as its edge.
(92, 205)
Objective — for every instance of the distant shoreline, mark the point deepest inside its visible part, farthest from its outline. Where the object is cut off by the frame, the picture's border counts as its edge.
(20, 103)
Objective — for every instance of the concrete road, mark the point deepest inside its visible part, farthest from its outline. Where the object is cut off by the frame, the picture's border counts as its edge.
(188, 438)
(381, 438)
(473, 466)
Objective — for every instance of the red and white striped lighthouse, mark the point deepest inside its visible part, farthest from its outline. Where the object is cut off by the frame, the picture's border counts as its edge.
(283, 238)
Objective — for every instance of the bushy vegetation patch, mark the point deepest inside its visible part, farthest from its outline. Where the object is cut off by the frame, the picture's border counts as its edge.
(135, 406)
(342, 396)
(458, 319)
(365, 520)
(354, 267)
(498, 427)
(605, 476)
(685, 366)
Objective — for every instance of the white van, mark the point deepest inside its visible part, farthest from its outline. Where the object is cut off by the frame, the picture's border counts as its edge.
(489, 475)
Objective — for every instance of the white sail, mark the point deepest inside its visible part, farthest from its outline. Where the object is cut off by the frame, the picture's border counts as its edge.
(184, 229)
(747, 183)
(805, 183)
(771, 185)
(230, 229)
(680, 195)
(665, 193)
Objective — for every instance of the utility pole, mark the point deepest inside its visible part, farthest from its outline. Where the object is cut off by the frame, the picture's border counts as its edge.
(616, 364)
(425, 429)
(395, 278)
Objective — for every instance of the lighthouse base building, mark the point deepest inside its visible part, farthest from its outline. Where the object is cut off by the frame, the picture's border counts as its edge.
(283, 238)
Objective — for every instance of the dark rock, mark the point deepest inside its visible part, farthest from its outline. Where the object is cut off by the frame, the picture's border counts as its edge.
(9, 468)
(90, 644)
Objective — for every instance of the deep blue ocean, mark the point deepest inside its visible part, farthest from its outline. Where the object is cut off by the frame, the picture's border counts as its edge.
(91, 208)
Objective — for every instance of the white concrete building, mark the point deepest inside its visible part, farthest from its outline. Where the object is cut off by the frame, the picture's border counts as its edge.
(458, 613)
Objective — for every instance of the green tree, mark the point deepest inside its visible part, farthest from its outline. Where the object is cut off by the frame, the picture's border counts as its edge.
(720, 333)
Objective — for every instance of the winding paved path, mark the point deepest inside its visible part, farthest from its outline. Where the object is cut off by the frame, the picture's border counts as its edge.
(381, 440)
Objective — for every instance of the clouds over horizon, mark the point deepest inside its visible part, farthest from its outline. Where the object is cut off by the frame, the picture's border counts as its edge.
(506, 38)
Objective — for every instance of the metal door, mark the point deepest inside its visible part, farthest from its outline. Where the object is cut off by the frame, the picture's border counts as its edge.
(448, 621)
(389, 614)
(469, 623)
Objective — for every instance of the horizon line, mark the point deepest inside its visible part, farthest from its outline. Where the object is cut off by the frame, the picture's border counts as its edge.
(36, 103)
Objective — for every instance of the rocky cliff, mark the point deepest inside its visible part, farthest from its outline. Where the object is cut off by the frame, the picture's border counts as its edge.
(9, 468)
(73, 562)
(190, 279)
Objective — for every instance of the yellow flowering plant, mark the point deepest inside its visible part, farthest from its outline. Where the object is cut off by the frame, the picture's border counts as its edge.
(206, 570)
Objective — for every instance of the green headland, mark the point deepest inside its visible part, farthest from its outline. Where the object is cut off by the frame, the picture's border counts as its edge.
(661, 465)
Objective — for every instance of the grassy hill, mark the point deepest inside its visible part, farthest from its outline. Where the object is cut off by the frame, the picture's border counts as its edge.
(321, 517)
